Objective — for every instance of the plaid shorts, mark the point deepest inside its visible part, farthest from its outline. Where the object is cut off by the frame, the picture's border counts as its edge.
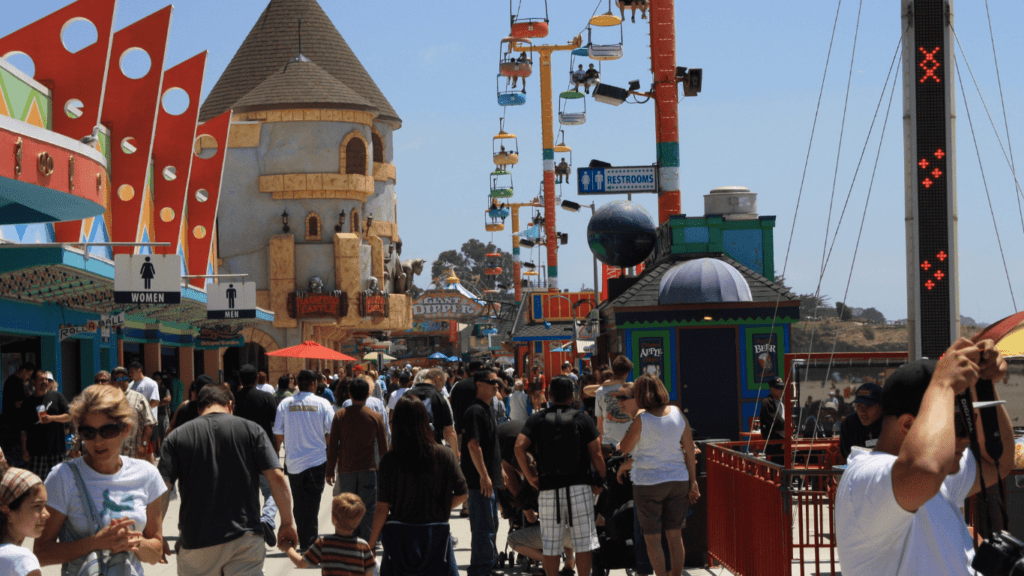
(575, 501)
(41, 465)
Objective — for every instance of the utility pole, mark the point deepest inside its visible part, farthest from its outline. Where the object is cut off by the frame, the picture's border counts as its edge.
(548, 141)
(666, 105)
(929, 140)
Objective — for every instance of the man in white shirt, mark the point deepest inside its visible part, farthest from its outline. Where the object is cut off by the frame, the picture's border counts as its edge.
(898, 507)
(144, 385)
(403, 387)
(303, 423)
(612, 422)
(518, 403)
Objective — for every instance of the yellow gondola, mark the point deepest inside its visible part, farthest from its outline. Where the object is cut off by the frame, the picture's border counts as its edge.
(563, 169)
(604, 51)
(505, 156)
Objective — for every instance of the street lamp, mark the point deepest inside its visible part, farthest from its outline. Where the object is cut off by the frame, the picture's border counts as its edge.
(575, 207)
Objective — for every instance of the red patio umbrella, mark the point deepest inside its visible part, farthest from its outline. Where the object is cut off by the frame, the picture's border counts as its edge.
(311, 350)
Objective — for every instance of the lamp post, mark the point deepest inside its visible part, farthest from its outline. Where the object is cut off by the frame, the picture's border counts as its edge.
(575, 207)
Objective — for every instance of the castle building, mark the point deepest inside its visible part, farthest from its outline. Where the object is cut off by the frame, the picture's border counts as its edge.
(308, 207)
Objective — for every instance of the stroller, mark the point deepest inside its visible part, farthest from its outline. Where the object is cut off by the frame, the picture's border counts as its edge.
(615, 505)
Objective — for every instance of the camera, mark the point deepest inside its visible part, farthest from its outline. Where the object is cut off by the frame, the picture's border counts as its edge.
(1000, 555)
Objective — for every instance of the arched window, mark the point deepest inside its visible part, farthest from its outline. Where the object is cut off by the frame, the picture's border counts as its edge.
(313, 228)
(378, 148)
(355, 157)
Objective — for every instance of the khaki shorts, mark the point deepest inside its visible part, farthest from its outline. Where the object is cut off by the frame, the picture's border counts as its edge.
(661, 506)
(242, 556)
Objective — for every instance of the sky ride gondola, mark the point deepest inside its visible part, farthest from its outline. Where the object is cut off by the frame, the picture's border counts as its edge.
(509, 97)
(522, 27)
(604, 51)
(501, 184)
(563, 169)
(510, 65)
(493, 265)
(505, 156)
(572, 114)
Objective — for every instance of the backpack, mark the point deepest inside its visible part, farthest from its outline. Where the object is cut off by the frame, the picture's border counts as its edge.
(426, 395)
(559, 453)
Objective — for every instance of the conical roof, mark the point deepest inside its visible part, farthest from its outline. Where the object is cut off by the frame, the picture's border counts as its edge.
(274, 41)
(301, 83)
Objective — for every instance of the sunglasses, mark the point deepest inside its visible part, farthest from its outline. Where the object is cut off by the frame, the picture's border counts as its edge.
(623, 398)
(107, 431)
(101, 380)
(494, 382)
(121, 379)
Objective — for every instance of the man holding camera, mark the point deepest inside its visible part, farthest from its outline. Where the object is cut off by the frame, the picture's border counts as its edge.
(898, 507)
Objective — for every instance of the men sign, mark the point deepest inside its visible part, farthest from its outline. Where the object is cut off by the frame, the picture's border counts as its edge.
(230, 300)
(445, 305)
(621, 180)
(147, 279)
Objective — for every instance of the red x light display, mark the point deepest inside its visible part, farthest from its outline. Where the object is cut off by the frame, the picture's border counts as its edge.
(935, 232)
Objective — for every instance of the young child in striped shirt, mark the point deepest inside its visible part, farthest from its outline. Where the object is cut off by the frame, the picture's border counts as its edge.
(342, 553)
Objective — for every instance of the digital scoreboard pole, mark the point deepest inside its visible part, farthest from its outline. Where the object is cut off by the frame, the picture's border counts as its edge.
(933, 312)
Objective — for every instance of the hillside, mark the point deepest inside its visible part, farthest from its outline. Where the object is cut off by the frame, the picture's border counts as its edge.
(854, 336)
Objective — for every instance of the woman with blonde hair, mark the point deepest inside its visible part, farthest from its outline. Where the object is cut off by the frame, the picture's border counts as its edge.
(104, 508)
(664, 479)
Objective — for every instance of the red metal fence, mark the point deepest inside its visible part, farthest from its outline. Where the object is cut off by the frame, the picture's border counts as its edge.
(766, 520)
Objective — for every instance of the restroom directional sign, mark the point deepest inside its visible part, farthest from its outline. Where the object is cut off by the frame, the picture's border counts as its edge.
(230, 300)
(147, 279)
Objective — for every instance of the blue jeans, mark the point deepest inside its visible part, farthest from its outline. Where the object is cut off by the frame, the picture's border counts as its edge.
(363, 484)
(483, 523)
(269, 506)
(307, 488)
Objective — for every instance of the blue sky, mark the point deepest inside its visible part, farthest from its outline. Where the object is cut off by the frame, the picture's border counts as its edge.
(763, 64)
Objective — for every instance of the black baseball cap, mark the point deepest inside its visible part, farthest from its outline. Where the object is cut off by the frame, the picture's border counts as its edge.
(868, 394)
(905, 388)
(777, 384)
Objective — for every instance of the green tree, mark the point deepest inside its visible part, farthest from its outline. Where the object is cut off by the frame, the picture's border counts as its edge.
(873, 316)
(844, 312)
(814, 306)
(470, 264)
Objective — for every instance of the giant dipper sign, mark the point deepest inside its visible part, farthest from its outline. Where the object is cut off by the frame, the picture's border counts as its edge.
(445, 305)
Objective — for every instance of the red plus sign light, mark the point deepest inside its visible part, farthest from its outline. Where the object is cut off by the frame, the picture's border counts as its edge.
(939, 153)
(929, 284)
(923, 163)
(939, 275)
(941, 256)
(926, 265)
(936, 173)
(927, 182)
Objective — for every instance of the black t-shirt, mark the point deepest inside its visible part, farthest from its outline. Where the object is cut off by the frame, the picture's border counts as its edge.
(44, 439)
(587, 431)
(508, 432)
(478, 424)
(853, 433)
(14, 391)
(217, 460)
(440, 412)
(771, 411)
(418, 497)
(462, 396)
(256, 406)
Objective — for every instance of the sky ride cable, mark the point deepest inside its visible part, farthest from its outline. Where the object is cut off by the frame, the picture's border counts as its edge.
(800, 191)
(1002, 103)
(842, 131)
(894, 67)
(977, 87)
(988, 196)
(860, 233)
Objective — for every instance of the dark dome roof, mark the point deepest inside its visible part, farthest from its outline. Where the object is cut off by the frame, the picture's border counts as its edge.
(274, 41)
(703, 280)
(301, 83)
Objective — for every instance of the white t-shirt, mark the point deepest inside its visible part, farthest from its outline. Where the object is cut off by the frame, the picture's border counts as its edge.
(876, 536)
(17, 560)
(266, 388)
(395, 396)
(148, 388)
(616, 422)
(305, 421)
(517, 404)
(126, 493)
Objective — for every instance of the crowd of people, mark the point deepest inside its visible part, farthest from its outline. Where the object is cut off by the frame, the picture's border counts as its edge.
(92, 480)
(552, 458)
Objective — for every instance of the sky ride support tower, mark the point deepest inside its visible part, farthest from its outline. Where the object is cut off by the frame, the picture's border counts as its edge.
(929, 139)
